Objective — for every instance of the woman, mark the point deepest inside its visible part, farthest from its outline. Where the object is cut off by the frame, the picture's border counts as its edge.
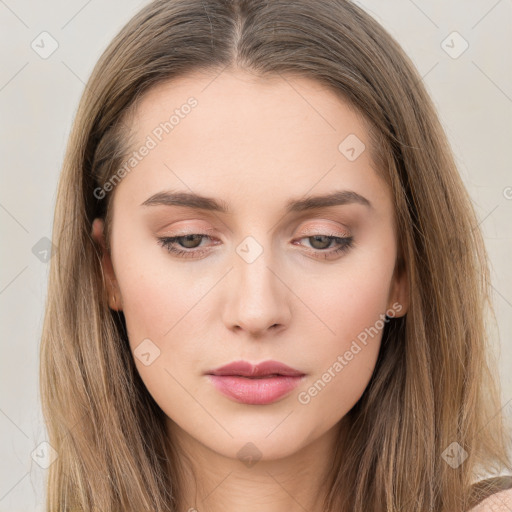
(270, 289)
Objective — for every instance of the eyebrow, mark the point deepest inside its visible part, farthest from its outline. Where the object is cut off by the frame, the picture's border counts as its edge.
(198, 202)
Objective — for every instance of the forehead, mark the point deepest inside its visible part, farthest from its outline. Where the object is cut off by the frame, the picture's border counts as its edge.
(236, 135)
(261, 106)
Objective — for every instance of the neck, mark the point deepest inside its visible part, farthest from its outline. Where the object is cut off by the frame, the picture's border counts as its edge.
(212, 482)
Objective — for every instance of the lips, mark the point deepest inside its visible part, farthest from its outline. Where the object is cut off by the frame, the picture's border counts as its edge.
(259, 384)
(265, 369)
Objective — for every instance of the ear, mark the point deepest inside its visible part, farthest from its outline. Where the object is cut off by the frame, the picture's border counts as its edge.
(399, 291)
(113, 291)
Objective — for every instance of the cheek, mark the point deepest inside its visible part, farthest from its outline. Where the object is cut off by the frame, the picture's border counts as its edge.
(162, 309)
(150, 303)
(351, 310)
(349, 302)
(165, 302)
(156, 291)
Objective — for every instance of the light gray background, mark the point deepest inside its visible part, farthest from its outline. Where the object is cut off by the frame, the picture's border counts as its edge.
(38, 100)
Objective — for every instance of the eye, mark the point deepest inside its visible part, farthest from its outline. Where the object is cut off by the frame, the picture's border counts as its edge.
(190, 241)
(188, 245)
(322, 242)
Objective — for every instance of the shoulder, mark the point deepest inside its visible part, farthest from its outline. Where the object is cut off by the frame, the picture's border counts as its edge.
(500, 500)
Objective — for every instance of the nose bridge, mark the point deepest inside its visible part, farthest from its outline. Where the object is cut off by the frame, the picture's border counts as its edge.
(257, 297)
(252, 267)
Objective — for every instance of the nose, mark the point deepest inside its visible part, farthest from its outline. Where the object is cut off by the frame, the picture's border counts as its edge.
(257, 297)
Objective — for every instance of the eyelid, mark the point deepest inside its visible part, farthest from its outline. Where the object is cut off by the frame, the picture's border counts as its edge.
(325, 231)
(187, 230)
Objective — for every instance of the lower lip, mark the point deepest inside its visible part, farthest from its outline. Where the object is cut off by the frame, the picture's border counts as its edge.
(255, 391)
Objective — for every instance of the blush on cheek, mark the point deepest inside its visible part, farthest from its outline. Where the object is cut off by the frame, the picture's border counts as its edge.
(166, 309)
(345, 309)
(145, 312)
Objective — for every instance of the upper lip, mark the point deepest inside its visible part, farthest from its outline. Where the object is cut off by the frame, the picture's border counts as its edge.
(246, 369)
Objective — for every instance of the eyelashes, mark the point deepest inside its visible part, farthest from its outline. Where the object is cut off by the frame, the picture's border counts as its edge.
(172, 245)
(342, 244)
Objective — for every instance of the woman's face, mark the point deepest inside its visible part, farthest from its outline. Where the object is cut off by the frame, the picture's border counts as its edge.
(265, 272)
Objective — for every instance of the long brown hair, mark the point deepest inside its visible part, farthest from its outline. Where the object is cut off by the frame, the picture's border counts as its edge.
(433, 383)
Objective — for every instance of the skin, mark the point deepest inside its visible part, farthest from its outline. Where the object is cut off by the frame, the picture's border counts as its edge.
(254, 144)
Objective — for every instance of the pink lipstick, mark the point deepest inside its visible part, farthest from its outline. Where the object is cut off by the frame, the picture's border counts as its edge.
(259, 384)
